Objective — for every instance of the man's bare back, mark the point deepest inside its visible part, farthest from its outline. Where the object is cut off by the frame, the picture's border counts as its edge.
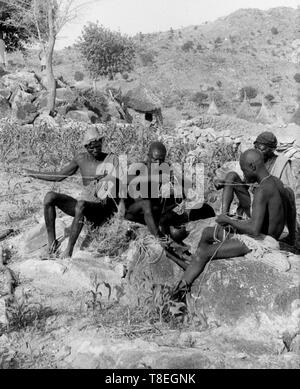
(270, 213)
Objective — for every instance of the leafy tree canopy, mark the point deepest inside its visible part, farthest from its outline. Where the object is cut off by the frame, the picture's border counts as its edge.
(107, 52)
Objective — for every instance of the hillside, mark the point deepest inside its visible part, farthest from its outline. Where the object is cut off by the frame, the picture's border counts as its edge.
(247, 48)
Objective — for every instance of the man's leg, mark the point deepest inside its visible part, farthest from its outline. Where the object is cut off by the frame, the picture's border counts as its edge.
(64, 203)
(96, 213)
(144, 207)
(234, 185)
(228, 249)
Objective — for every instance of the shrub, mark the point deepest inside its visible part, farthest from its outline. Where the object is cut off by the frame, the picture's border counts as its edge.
(274, 31)
(147, 58)
(218, 41)
(106, 52)
(187, 46)
(269, 97)
(249, 91)
(199, 98)
(78, 76)
(297, 77)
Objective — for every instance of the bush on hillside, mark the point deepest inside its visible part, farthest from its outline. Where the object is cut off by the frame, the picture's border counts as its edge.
(274, 31)
(106, 52)
(147, 58)
(218, 41)
(199, 98)
(249, 91)
(78, 76)
(187, 46)
(297, 77)
(269, 98)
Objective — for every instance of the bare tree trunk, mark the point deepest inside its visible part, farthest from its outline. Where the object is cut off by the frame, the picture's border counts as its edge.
(51, 83)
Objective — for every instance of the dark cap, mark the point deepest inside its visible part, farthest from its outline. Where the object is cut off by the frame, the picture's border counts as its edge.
(268, 139)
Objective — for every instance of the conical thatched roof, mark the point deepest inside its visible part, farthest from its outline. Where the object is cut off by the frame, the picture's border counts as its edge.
(141, 99)
(264, 117)
(245, 111)
(213, 109)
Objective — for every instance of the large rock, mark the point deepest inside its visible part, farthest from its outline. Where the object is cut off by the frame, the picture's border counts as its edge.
(65, 94)
(6, 93)
(26, 79)
(26, 113)
(83, 116)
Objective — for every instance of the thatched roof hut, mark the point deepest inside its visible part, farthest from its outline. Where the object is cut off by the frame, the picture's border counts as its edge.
(264, 116)
(245, 111)
(141, 100)
(213, 109)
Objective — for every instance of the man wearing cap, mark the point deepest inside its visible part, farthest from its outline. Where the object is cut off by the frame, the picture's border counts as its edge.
(93, 164)
(278, 166)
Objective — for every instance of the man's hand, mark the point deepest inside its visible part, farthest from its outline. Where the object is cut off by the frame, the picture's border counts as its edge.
(223, 220)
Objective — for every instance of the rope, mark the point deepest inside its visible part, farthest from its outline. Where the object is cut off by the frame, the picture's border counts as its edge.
(211, 258)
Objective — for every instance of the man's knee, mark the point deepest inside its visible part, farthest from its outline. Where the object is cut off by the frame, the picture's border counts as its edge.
(232, 177)
(207, 234)
(50, 198)
(80, 207)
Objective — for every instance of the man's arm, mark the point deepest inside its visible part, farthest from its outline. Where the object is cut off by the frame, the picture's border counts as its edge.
(252, 226)
(67, 171)
(291, 217)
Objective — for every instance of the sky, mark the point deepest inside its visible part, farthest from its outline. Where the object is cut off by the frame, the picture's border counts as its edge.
(146, 16)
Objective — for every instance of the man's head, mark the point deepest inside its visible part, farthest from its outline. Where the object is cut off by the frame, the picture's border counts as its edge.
(92, 141)
(252, 164)
(157, 152)
(266, 142)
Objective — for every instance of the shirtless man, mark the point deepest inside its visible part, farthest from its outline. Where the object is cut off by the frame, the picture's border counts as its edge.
(92, 165)
(157, 213)
(271, 212)
(266, 142)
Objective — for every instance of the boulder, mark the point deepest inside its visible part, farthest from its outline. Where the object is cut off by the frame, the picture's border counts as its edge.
(26, 113)
(19, 97)
(5, 109)
(83, 116)
(25, 79)
(65, 94)
(6, 93)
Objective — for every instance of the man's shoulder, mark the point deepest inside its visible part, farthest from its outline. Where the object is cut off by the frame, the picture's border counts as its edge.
(81, 157)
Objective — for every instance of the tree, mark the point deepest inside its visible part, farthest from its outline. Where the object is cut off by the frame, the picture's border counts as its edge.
(42, 20)
(107, 52)
(249, 92)
(15, 36)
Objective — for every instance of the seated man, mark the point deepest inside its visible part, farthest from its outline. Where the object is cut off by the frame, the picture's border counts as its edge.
(278, 166)
(271, 212)
(92, 165)
(157, 213)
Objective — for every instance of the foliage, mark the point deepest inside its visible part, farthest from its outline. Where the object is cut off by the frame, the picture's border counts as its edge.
(269, 97)
(249, 91)
(107, 52)
(15, 36)
(23, 313)
(147, 57)
(187, 46)
(199, 98)
(78, 76)
(274, 31)
(297, 77)
(44, 147)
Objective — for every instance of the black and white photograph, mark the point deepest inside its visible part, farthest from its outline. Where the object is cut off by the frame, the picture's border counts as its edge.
(149, 187)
